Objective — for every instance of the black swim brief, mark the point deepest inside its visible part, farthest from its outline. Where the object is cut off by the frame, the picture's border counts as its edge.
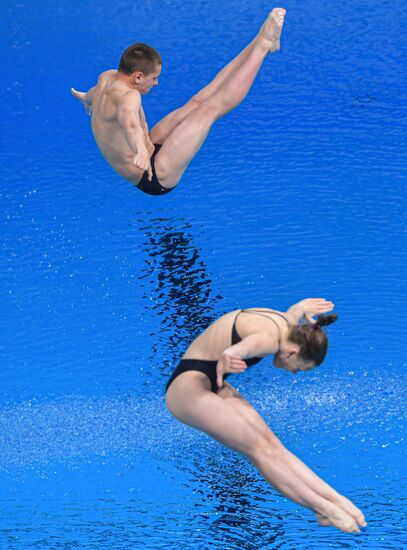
(207, 367)
(153, 187)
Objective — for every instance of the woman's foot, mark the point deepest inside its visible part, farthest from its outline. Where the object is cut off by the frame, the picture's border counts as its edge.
(339, 519)
(351, 509)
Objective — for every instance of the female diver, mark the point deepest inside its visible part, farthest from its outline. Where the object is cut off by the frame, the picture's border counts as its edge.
(198, 395)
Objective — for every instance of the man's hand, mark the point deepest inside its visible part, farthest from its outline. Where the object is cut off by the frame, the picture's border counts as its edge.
(143, 161)
(228, 364)
(82, 98)
(315, 306)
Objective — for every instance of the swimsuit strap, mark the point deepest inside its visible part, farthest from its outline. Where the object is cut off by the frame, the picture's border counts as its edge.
(261, 312)
(235, 335)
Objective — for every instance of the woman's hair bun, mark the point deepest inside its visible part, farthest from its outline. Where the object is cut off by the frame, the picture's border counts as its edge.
(325, 320)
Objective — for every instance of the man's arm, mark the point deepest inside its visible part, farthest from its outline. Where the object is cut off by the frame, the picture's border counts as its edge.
(128, 115)
(308, 308)
(85, 98)
(145, 128)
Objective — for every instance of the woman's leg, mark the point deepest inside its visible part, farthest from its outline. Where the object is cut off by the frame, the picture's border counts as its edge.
(190, 400)
(313, 481)
(185, 140)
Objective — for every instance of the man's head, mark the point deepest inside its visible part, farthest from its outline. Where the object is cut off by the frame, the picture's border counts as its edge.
(142, 66)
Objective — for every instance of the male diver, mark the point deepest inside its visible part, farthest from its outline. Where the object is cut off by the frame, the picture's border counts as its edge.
(155, 160)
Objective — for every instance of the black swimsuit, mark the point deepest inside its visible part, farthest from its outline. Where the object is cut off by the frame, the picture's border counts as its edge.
(153, 187)
(209, 367)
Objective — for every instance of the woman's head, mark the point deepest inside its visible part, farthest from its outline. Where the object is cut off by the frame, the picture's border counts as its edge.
(306, 345)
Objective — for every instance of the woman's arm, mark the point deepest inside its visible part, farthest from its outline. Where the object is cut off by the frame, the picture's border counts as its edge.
(258, 344)
(308, 308)
(254, 345)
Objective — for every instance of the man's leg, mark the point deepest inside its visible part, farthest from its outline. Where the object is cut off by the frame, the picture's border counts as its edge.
(187, 137)
(162, 129)
(165, 126)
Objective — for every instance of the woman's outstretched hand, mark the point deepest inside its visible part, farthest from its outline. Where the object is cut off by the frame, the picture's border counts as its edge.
(315, 306)
(228, 364)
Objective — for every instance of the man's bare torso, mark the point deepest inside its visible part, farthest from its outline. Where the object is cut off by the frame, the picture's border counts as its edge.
(109, 134)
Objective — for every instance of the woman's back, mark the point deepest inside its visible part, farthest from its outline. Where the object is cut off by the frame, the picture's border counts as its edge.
(218, 336)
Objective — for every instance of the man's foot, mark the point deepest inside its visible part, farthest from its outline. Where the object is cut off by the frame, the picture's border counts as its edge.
(339, 519)
(269, 35)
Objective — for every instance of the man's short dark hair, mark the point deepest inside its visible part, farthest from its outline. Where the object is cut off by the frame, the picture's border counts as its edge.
(139, 57)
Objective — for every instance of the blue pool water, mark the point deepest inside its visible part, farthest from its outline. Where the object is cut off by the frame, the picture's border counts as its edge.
(299, 192)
